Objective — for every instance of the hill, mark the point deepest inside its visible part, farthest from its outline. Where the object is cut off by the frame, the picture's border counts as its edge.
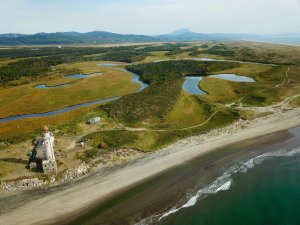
(103, 37)
(95, 37)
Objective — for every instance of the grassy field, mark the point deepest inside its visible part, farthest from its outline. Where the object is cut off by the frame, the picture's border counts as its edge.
(262, 52)
(295, 102)
(188, 111)
(249, 70)
(159, 55)
(152, 140)
(15, 100)
(163, 106)
(222, 91)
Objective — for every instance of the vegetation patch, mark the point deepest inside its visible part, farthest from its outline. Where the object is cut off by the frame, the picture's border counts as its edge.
(264, 97)
(152, 140)
(125, 56)
(165, 81)
(295, 102)
(188, 111)
(220, 49)
(222, 91)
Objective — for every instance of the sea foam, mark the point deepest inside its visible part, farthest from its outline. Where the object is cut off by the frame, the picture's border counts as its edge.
(222, 183)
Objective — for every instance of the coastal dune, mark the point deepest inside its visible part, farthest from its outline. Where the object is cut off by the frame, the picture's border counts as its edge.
(53, 206)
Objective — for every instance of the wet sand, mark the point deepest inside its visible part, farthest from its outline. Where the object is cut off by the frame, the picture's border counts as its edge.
(69, 201)
(159, 194)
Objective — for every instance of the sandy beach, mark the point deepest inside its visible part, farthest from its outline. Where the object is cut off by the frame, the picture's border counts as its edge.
(58, 203)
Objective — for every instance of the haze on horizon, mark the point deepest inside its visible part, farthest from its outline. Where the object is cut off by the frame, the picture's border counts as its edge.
(150, 16)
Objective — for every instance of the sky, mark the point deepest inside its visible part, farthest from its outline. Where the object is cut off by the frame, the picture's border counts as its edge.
(150, 16)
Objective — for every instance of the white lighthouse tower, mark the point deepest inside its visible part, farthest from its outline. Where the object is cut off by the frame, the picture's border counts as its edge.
(48, 142)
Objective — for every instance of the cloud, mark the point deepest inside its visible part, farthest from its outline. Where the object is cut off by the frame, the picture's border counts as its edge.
(150, 16)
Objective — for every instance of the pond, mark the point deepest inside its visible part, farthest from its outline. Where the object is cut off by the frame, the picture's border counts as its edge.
(109, 64)
(233, 77)
(42, 86)
(81, 76)
(191, 84)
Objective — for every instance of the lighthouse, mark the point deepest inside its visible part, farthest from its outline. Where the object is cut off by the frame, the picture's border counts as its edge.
(47, 140)
(42, 157)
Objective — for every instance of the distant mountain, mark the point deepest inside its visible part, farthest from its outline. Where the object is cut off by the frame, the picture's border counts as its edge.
(11, 35)
(95, 37)
(102, 37)
(187, 35)
(181, 31)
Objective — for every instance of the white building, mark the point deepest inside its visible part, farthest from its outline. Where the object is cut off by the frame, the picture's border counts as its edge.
(94, 120)
(45, 146)
(45, 151)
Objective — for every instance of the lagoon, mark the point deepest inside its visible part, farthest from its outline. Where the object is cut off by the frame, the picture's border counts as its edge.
(191, 84)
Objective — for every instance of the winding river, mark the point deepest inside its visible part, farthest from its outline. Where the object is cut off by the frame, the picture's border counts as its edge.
(135, 79)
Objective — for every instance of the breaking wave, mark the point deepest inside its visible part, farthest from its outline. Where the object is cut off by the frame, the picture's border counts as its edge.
(222, 183)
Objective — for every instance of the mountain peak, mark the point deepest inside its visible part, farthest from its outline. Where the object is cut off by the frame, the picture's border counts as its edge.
(181, 31)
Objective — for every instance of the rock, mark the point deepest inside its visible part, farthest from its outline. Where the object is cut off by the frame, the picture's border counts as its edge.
(21, 184)
(2, 144)
(71, 174)
(52, 179)
(32, 183)
(32, 165)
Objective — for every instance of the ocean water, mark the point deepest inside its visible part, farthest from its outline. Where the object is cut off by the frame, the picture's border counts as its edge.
(255, 182)
(264, 190)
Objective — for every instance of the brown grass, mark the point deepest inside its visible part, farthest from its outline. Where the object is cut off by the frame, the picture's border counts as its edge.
(26, 99)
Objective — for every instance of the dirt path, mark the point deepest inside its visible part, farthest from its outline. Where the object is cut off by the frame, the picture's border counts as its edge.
(284, 105)
(275, 109)
(286, 79)
(176, 129)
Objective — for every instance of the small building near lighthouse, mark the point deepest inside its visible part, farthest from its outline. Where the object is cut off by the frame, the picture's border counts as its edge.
(94, 120)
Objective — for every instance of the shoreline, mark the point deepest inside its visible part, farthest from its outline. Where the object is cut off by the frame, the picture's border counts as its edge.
(74, 199)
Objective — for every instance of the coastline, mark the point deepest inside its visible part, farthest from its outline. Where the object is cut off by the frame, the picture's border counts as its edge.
(80, 196)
